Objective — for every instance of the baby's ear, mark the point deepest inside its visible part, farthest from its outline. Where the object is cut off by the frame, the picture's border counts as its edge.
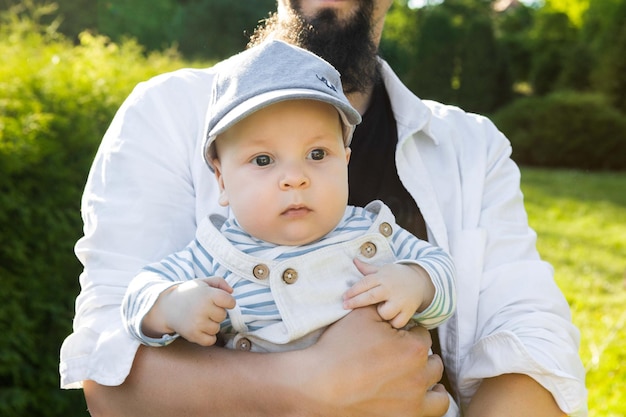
(348, 153)
(223, 198)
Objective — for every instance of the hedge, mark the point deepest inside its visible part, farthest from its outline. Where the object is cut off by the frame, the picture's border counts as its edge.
(565, 130)
(56, 101)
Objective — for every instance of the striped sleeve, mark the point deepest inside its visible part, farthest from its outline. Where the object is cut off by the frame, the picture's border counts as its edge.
(439, 266)
(145, 288)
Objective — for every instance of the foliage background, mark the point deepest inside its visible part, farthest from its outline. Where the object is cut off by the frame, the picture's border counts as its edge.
(552, 76)
(56, 100)
(580, 218)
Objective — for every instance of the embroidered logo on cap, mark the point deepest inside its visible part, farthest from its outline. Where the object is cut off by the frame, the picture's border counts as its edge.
(325, 81)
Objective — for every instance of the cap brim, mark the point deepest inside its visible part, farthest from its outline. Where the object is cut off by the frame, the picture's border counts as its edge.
(261, 101)
(349, 115)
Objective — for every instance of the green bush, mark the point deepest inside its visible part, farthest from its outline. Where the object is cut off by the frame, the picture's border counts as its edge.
(568, 130)
(56, 101)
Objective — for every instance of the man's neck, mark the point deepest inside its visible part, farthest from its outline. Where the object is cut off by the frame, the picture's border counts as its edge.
(361, 101)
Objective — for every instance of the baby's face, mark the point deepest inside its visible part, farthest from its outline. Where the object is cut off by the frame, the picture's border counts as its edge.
(284, 171)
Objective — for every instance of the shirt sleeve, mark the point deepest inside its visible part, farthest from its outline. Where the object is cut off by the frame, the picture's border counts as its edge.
(145, 288)
(139, 205)
(513, 317)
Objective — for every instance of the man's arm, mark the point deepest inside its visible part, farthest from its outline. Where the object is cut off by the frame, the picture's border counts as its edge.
(360, 367)
(512, 395)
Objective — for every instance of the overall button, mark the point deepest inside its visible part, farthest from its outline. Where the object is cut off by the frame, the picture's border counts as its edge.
(261, 271)
(243, 344)
(290, 276)
(385, 229)
(368, 249)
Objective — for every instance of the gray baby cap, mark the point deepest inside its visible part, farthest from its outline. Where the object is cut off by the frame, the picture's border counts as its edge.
(268, 73)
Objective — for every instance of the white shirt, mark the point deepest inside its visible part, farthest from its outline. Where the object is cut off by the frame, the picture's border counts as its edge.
(149, 187)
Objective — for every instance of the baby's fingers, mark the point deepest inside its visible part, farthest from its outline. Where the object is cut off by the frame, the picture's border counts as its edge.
(203, 339)
(364, 267)
(364, 293)
(223, 299)
(398, 320)
(219, 283)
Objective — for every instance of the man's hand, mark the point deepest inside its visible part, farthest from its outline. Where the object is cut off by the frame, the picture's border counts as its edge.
(362, 366)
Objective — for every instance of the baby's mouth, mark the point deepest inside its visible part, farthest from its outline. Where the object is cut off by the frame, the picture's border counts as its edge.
(296, 211)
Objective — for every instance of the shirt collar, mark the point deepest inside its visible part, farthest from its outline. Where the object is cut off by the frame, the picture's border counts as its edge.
(412, 114)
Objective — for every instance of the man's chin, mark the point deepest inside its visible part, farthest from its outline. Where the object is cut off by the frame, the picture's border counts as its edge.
(332, 18)
(344, 42)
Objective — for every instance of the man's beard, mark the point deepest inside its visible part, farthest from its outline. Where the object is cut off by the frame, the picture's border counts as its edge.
(347, 45)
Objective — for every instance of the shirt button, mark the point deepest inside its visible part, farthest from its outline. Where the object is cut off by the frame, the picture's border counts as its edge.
(385, 229)
(368, 249)
(243, 344)
(261, 271)
(290, 276)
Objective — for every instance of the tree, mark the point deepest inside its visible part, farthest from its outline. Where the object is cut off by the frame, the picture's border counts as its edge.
(458, 59)
(574, 9)
(578, 63)
(485, 80)
(210, 29)
(513, 28)
(615, 67)
(219, 28)
(76, 16)
(553, 36)
(151, 22)
(398, 44)
(435, 59)
(606, 33)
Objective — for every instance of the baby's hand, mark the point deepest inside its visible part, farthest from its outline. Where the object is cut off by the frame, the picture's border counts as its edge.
(195, 309)
(400, 290)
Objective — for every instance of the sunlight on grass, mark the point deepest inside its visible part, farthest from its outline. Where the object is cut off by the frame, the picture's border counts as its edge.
(580, 219)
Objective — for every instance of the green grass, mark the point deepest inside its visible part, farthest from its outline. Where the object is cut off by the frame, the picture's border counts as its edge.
(580, 219)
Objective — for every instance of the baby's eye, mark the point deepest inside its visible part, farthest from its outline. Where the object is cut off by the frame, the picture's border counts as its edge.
(317, 154)
(262, 160)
